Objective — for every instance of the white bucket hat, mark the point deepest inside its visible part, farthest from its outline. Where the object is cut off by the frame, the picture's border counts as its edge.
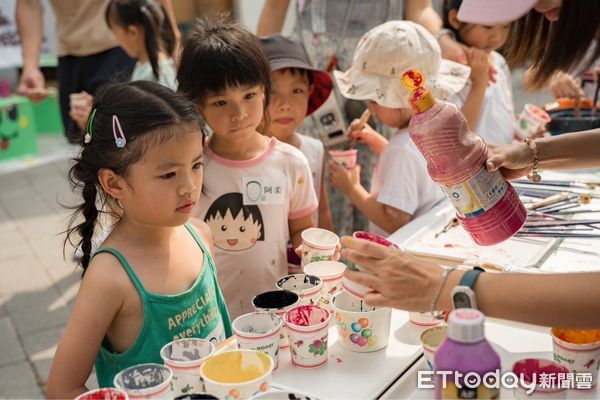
(387, 51)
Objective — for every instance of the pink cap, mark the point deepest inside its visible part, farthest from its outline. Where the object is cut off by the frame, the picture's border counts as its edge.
(492, 12)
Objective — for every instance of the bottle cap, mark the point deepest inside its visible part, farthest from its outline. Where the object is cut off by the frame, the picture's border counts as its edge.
(420, 98)
(465, 325)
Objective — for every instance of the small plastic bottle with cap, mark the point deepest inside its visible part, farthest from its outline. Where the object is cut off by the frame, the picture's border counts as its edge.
(486, 205)
(472, 365)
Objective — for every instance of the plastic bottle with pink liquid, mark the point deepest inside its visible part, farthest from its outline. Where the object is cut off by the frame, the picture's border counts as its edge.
(472, 366)
(486, 205)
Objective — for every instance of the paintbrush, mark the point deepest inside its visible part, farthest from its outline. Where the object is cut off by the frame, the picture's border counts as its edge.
(595, 95)
(361, 124)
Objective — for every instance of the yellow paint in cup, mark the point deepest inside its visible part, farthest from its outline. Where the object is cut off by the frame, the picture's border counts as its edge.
(237, 366)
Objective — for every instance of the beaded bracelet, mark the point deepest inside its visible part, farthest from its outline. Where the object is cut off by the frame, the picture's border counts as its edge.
(533, 175)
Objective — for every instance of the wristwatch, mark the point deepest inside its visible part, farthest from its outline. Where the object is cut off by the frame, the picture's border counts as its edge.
(463, 295)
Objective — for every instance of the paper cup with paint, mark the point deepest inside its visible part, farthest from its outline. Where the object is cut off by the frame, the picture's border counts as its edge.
(148, 381)
(308, 333)
(361, 328)
(538, 378)
(184, 357)
(308, 287)
(578, 350)
(104, 394)
(259, 331)
(318, 245)
(277, 302)
(354, 288)
(347, 158)
(331, 274)
(196, 396)
(237, 374)
(431, 339)
(531, 119)
(423, 319)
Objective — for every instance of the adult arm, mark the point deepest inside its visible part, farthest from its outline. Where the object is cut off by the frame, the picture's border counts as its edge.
(574, 150)
(401, 281)
(30, 25)
(272, 17)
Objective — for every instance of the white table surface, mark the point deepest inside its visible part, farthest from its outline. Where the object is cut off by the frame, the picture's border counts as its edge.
(349, 375)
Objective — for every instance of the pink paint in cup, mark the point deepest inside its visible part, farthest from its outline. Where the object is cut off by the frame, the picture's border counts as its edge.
(354, 288)
(534, 371)
(104, 394)
(346, 158)
(308, 332)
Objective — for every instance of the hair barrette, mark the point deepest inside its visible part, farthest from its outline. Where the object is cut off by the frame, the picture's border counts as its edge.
(90, 124)
(120, 140)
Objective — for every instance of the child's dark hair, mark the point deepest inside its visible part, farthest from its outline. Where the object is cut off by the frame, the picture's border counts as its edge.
(158, 31)
(234, 202)
(450, 5)
(299, 71)
(219, 55)
(148, 114)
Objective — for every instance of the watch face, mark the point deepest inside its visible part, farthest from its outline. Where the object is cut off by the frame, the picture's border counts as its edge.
(461, 300)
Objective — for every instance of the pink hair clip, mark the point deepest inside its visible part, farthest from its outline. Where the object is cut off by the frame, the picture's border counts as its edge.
(120, 140)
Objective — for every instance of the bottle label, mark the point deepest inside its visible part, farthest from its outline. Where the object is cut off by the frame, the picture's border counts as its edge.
(477, 194)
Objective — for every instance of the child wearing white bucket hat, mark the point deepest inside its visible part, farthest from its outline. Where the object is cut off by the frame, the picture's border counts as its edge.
(401, 189)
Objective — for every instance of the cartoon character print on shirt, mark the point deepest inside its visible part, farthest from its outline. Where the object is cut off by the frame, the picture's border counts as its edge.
(235, 226)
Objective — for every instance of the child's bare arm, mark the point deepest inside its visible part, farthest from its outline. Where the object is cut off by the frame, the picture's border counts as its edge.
(98, 302)
(325, 219)
(296, 226)
(388, 218)
(478, 61)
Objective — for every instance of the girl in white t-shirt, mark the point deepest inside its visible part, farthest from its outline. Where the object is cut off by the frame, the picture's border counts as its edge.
(258, 191)
(400, 189)
(487, 100)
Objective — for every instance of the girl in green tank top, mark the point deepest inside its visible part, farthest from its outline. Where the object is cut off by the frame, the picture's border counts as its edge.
(154, 278)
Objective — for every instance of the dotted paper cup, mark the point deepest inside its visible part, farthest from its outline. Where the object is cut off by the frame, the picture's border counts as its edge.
(331, 274)
(431, 339)
(259, 331)
(277, 302)
(531, 119)
(308, 287)
(308, 331)
(145, 381)
(104, 394)
(354, 288)
(347, 158)
(547, 376)
(184, 357)
(578, 350)
(318, 245)
(237, 374)
(361, 328)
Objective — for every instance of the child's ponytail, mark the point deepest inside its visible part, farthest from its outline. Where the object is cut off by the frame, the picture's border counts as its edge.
(151, 38)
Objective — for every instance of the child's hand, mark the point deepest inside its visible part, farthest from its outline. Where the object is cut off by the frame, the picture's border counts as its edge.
(364, 134)
(479, 62)
(80, 105)
(343, 179)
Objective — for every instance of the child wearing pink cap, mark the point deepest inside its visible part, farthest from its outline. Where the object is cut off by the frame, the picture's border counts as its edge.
(486, 102)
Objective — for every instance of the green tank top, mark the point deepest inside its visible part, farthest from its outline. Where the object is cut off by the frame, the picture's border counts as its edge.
(198, 312)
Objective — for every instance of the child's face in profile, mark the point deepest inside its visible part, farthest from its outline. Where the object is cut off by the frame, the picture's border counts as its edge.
(392, 117)
(235, 112)
(234, 234)
(289, 102)
(165, 184)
